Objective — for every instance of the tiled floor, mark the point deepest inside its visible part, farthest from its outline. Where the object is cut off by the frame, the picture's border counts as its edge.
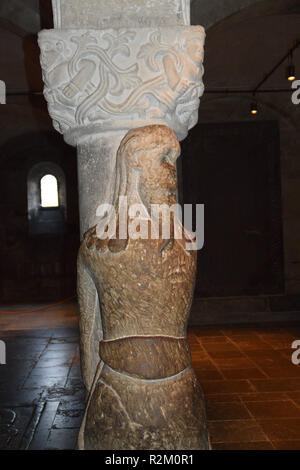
(41, 392)
(252, 388)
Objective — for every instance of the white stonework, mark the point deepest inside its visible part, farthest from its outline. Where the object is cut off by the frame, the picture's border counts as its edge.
(115, 80)
(100, 14)
(110, 66)
(2, 92)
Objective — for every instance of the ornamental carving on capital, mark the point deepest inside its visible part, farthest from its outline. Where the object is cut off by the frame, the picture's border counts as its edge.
(119, 79)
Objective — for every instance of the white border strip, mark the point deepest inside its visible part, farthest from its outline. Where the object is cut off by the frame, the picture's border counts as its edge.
(56, 6)
(2, 92)
(186, 11)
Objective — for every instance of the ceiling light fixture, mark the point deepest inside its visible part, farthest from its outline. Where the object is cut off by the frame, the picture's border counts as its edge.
(291, 69)
(254, 106)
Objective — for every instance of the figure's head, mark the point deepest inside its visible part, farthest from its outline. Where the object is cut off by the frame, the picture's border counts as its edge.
(50, 51)
(152, 152)
(194, 48)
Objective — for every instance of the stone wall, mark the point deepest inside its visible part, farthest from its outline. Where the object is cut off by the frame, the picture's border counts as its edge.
(239, 52)
(264, 307)
(34, 267)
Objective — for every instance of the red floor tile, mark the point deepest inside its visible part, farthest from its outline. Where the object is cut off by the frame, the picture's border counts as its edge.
(281, 429)
(273, 409)
(236, 431)
(227, 411)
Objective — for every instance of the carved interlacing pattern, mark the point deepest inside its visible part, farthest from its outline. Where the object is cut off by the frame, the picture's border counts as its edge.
(149, 75)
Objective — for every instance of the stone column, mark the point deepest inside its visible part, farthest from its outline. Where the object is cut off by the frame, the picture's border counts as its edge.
(123, 82)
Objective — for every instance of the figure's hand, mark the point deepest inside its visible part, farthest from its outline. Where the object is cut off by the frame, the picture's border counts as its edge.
(70, 90)
(182, 86)
(169, 97)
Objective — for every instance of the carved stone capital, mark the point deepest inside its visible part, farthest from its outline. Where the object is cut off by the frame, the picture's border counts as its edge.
(119, 79)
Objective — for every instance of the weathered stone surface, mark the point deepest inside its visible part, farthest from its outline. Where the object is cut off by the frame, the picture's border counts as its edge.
(96, 165)
(148, 398)
(116, 80)
(148, 357)
(143, 268)
(119, 13)
(126, 413)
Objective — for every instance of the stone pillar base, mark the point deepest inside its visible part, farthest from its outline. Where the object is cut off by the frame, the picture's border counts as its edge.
(127, 413)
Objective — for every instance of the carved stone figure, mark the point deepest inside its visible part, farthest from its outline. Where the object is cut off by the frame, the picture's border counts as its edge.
(143, 392)
(123, 81)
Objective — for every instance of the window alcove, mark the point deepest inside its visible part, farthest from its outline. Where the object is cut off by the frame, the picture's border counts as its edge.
(46, 188)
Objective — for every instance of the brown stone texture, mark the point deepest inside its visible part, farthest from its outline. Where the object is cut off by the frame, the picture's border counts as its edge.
(147, 358)
(128, 413)
(252, 390)
(142, 290)
(146, 396)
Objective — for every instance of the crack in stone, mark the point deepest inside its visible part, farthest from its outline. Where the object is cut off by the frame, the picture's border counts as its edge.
(131, 422)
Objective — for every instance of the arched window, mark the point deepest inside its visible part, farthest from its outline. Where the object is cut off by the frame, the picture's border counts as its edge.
(49, 191)
(47, 199)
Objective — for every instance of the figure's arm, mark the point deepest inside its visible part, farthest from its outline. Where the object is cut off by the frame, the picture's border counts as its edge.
(171, 71)
(81, 79)
(176, 83)
(89, 323)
